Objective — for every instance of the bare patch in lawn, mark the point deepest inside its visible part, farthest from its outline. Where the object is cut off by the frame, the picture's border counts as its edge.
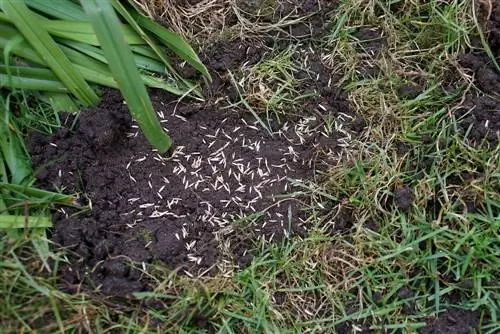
(229, 180)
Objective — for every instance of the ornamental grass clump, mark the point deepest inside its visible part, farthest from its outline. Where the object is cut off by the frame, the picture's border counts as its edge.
(62, 50)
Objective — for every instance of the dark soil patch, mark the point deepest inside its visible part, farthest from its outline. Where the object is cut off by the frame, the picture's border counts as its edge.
(370, 40)
(480, 113)
(453, 321)
(404, 197)
(186, 209)
(449, 322)
(201, 207)
(489, 12)
(369, 43)
(316, 26)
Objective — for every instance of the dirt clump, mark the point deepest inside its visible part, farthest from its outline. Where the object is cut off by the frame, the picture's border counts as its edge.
(453, 321)
(404, 197)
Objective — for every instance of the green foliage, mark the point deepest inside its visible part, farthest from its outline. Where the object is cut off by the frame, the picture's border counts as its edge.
(60, 49)
(21, 205)
(122, 65)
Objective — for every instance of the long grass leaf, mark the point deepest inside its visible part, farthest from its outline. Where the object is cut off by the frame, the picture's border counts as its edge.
(91, 69)
(97, 72)
(75, 30)
(18, 221)
(144, 50)
(29, 71)
(126, 74)
(29, 83)
(143, 62)
(40, 40)
(81, 31)
(151, 42)
(3, 178)
(174, 42)
(59, 9)
(31, 192)
(21, 49)
(61, 102)
(12, 149)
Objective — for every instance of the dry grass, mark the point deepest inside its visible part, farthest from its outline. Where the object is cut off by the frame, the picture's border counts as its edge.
(207, 21)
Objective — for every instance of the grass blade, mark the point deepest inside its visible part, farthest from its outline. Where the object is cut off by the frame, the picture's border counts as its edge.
(81, 31)
(12, 149)
(145, 63)
(122, 65)
(128, 17)
(175, 42)
(18, 221)
(152, 44)
(30, 83)
(39, 194)
(61, 102)
(28, 24)
(91, 69)
(61, 9)
(21, 49)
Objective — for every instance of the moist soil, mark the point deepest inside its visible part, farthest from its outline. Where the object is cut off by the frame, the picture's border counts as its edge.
(453, 321)
(479, 116)
(223, 185)
(226, 183)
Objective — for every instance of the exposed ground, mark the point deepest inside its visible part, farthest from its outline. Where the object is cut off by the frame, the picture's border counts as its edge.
(225, 183)
(363, 198)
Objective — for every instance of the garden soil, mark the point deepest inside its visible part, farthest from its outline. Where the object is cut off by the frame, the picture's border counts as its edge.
(479, 115)
(200, 207)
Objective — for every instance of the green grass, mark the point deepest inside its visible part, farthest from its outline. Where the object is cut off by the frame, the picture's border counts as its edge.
(392, 269)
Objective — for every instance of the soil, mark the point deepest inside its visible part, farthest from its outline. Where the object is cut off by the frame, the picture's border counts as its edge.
(453, 321)
(404, 197)
(185, 208)
(196, 208)
(369, 43)
(480, 112)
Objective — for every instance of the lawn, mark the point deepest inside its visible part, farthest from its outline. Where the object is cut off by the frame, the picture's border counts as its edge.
(308, 166)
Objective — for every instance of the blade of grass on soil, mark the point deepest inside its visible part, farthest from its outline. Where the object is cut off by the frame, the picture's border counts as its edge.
(126, 74)
(26, 22)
